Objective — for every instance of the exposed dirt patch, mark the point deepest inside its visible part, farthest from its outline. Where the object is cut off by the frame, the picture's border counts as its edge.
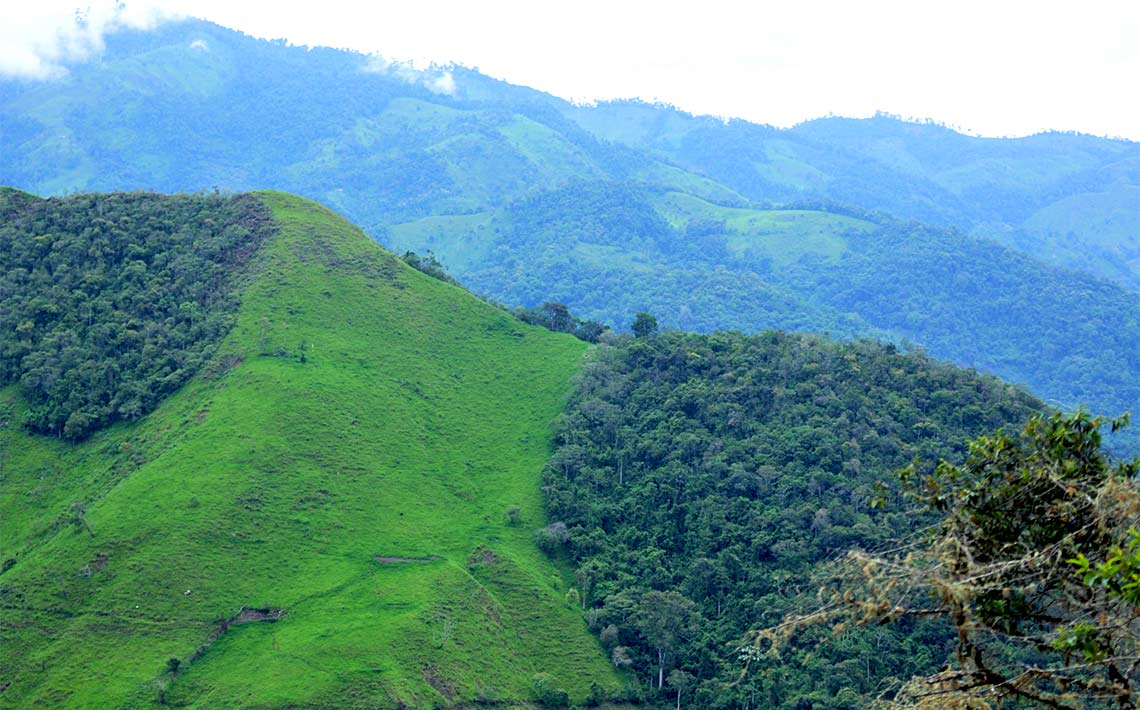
(404, 560)
(482, 556)
(445, 687)
(99, 563)
(248, 615)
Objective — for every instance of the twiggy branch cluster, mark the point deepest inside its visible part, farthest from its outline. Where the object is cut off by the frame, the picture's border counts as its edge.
(1035, 563)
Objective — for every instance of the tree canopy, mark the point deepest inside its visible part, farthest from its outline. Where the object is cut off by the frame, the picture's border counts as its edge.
(708, 476)
(110, 302)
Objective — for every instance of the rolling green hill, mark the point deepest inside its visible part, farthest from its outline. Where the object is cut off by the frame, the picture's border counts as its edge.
(318, 518)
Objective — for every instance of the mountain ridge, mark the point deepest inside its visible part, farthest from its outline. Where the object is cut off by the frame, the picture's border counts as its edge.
(453, 167)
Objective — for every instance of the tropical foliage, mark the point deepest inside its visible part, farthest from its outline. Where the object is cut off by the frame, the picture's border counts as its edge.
(111, 302)
(700, 479)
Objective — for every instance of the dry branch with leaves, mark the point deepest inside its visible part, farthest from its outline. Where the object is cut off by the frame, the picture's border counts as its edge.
(1035, 562)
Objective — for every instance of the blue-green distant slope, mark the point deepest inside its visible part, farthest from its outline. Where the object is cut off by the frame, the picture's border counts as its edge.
(191, 105)
(992, 186)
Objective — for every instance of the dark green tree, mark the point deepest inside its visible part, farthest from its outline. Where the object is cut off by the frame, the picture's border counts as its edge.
(665, 619)
(644, 325)
(559, 316)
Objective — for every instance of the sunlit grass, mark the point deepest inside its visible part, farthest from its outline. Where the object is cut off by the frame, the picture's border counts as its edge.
(368, 410)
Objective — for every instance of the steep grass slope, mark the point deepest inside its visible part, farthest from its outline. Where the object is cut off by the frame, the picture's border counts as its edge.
(346, 465)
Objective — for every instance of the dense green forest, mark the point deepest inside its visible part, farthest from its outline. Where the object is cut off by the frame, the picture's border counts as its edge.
(111, 302)
(698, 480)
(607, 252)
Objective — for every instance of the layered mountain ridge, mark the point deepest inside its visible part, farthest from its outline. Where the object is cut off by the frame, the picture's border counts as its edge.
(624, 207)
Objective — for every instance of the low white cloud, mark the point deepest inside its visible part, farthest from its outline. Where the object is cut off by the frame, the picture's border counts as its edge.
(442, 84)
(434, 79)
(200, 45)
(46, 36)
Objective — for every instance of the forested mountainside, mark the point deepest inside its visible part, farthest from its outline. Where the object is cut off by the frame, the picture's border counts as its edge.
(335, 509)
(698, 480)
(626, 207)
(1066, 199)
(609, 251)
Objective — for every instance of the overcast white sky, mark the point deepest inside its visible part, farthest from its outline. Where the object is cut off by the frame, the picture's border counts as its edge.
(993, 67)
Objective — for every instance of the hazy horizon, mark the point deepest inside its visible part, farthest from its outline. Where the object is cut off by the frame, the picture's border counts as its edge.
(1006, 71)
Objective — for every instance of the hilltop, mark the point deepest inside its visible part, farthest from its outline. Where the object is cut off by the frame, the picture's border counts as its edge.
(337, 508)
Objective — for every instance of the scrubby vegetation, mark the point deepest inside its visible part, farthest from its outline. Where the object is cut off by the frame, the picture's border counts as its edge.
(1033, 560)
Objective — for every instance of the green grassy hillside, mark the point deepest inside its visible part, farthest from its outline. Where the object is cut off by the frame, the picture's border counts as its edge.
(346, 462)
